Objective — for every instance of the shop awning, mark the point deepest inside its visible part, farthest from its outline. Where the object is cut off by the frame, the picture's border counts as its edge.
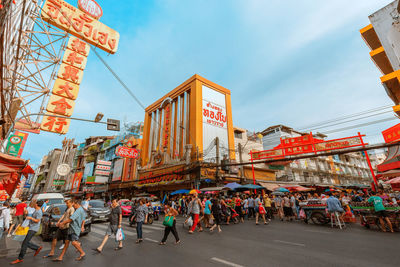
(393, 181)
(270, 186)
(219, 188)
(11, 169)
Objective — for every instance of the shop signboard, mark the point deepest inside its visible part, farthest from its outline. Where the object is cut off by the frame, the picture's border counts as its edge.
(14, 144)
(101, 179)
(103, 167)
(392, 134)
(103, 162)
(78, 23)
(90, 179)
(90, 7)
(117, 172)
(76, 182)
(58, 182)
(126, 152)
(98, 172)
(88, 170)
(55, 124)
(214, 121)
(24, 125)
(162, 176)
(317, 145)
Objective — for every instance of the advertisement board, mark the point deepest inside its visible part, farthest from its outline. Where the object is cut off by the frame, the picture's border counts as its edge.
(76, 182)
(214, 123)
(88, 170)
(126, 152)
(118, 167)
(392, 134)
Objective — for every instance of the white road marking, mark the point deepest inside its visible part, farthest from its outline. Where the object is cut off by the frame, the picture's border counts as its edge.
(153, 227)
(316, 231)
(226, 262)
(290, 243)
(151, 240)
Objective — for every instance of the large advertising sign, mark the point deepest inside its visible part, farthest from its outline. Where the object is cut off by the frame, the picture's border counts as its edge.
(76, 182)
(162, 176)
(214, 123)
(76, 22)
(118, 167)
(88, 170)
(126, 152)
(16, 143)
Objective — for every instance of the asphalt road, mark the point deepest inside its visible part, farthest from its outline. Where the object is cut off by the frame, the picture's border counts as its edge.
(277, 244)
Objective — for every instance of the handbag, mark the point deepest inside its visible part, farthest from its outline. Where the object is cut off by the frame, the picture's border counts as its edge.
(119, 236)
(168, 221)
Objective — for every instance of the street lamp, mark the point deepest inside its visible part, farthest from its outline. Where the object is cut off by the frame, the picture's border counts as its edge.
(99, 116)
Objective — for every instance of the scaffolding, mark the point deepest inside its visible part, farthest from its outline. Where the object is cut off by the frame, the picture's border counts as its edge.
(31, 51)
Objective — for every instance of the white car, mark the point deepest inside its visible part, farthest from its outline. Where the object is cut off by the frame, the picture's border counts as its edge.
(54, 198)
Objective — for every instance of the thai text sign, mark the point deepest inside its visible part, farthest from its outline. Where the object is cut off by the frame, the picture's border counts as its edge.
(214, 114)
(392, 134)
(167, 124)
(76, 22)
(126, 152)
(58, 182)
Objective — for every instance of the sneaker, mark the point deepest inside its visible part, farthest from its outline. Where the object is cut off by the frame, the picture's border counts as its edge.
(37, 251)
(9, 235)
(62, 247)
(17, 261)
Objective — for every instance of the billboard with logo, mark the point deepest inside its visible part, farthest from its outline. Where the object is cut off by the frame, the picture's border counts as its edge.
(214, 123)
(118, 167)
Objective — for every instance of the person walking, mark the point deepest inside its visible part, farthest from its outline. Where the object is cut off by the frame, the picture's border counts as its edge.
(115, 224)
(268, 207)
(20, 211)
(170, 213)
(62, 231)
(5, 218)
(196, 209)
(207, 212)
(251, 207)
(76, 225)
(34, 225)
(238, 207)
(246, 206)
(278, 201)
(141, 217)
(259, 209)
(85, 203)
(216, 212)
(287, 208)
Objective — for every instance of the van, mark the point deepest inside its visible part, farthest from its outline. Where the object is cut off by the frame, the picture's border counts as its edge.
(54, 198)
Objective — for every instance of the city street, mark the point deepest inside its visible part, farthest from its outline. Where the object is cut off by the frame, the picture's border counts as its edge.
(277, 244)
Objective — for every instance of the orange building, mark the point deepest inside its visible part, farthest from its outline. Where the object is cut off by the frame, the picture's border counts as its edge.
(181, 128)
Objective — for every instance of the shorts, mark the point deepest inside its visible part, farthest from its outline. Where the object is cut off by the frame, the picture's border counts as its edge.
(73, 237)
(288, 211)
(60, 234)
(381, 214)
(19, 219)
(112, 229)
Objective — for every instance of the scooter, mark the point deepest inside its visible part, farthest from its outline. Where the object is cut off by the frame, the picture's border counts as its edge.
(232, 213)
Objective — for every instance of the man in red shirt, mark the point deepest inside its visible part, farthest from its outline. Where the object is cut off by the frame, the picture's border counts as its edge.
(20, 211)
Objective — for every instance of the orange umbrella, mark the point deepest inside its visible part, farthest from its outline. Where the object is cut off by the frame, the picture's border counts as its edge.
(193, 191)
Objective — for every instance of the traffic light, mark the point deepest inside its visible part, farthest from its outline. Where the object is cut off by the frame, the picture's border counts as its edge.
(113, 125)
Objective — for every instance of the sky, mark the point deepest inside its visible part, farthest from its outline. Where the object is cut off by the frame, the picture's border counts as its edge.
(286, 62)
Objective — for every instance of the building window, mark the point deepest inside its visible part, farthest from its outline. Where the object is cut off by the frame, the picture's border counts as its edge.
(238, 134)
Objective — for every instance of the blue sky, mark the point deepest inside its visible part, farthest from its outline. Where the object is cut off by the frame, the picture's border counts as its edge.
(285, 62)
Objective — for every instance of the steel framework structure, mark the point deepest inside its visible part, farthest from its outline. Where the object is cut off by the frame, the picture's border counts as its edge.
(31, 51)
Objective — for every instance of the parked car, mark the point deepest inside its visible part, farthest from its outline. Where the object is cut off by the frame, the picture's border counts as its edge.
(54, 198)
(98, 210)
(51, 217)
(126, 207)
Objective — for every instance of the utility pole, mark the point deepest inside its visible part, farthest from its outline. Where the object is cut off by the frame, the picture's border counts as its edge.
(241, 161)
(217, 159)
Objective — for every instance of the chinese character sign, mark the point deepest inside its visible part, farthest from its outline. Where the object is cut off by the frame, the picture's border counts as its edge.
(78, 23)
(66, 86)
(392, 134)
(55, 124)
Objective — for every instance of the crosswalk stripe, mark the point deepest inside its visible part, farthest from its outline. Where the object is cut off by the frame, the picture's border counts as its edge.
(126, 232)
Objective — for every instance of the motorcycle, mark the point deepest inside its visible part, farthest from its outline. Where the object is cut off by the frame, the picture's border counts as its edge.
(232, 213)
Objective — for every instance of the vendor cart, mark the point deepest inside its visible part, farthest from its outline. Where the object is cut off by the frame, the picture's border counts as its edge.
(368, 217)
(315, 211)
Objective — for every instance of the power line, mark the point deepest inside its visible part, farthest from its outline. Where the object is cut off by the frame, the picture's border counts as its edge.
(360, 125)
(344, 117)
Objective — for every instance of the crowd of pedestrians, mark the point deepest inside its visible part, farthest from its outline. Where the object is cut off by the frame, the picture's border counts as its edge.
(207, 211)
